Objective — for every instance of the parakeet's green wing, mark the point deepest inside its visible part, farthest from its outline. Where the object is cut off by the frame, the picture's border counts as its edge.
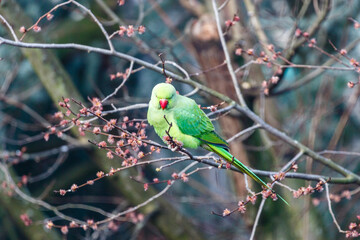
(192, 121)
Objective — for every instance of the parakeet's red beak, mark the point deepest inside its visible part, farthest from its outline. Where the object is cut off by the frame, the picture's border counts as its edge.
(163, 103)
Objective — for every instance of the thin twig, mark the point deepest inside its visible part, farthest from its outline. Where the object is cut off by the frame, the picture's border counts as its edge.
(10, 28)
(148, 200)
(340, 153)
(32, 200)
(330, 208)
(227, 56)
(121, 85)
(111, 46)
(261, 207)
(223, 5)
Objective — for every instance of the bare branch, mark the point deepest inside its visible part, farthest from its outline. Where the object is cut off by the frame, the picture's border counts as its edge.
(227, 57)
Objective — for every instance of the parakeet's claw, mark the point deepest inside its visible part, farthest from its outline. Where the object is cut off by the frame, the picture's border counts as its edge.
(173, 148)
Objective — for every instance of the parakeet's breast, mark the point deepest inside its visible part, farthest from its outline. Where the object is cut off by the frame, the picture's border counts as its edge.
(157, 120)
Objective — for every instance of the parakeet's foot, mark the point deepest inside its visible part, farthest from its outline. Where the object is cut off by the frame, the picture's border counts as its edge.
(173, 148)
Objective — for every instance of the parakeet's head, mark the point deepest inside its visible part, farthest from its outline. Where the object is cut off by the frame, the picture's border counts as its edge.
(163, 95)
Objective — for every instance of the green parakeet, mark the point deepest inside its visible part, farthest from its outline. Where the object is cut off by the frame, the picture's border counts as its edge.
(190, 125)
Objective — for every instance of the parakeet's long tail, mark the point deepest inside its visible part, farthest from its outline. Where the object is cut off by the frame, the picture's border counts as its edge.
(233, 161)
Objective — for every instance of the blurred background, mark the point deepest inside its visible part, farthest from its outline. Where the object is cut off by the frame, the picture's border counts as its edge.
(313, 105)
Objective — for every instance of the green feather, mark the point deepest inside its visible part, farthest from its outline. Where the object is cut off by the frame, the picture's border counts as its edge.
(233, 161)
(213, 139)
